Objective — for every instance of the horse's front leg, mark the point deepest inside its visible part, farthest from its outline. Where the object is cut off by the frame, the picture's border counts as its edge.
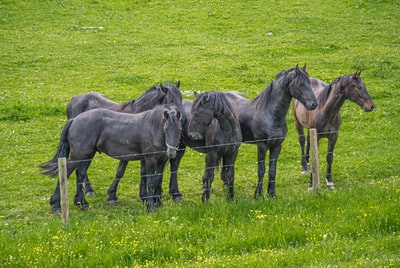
(228, 173)
(112, 190)
(143, 181)
(173, 180)
(154, 172)
(208, 176)
(261, 152)
(329, 161)
(273, 159)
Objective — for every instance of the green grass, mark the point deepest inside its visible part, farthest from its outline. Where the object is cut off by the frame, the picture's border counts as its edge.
(52, 50)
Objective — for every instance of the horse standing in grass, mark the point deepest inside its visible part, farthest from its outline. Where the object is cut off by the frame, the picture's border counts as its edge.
(156, 95)
(263, 119)
(152, 137)
(214, 130)
(326, 118)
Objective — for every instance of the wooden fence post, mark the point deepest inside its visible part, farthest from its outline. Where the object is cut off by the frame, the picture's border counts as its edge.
(314, 159)
(62, 175)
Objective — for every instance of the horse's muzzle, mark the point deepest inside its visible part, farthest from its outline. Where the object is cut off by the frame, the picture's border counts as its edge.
(311, 105)
(369, 106)
(195, 135)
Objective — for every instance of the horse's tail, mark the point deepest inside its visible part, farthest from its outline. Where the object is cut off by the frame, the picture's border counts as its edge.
(51, 167)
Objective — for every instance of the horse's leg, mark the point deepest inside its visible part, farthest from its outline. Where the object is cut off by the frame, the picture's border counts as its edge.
(173, 180)
(81, 171)
(208, 176)
(329, 161)
(143, 181)
(88, 186)
(228, 173)
(273, 159)
(112, 190)
(261, 152)
(302, 143)
(55, 198)
(153, 183)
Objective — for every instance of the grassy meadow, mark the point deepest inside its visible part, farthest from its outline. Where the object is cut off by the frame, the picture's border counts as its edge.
(51, 50)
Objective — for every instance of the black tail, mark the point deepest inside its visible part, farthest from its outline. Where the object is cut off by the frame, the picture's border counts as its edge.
(51, 167)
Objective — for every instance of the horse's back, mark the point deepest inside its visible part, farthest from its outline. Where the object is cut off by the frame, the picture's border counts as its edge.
(317, 86)
(87, 101)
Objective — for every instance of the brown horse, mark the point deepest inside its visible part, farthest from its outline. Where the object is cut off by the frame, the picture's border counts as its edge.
(326, 118)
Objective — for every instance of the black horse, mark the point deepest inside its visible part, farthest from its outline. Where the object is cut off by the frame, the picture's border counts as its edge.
(156, 95)
(263, 119)
(152, 136)
(214, 130)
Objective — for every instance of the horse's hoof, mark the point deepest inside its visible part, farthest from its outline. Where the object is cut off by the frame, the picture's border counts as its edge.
(113, 202)
(177, 197)
(305, 172)
(89, 193)
(330, 186)
(56, 211)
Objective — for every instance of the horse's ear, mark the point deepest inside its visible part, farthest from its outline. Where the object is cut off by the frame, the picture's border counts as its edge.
(195, 94)
(305, 66)
(204, 98)
(358, 73)
(297, 68)
(178, 84)
(163, 88)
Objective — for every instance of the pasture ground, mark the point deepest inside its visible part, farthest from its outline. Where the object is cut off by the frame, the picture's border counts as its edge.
(52, 50)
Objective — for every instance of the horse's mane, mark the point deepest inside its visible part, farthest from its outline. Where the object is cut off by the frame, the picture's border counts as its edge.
(155, 116)
(332, 87)
(280, 81)
(155, 95)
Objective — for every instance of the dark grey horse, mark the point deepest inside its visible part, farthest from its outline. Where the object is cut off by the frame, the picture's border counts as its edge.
(158, 94)
(326, 118)
(214, 130)
(152, 136)
(263, 119)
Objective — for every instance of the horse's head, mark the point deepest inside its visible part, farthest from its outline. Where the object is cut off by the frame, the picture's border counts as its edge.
(299, 87)
(356, 91)
(172, 130)
(171, 94)
(206, 107)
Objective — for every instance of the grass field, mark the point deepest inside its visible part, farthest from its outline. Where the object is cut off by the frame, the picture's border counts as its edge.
(52, 50)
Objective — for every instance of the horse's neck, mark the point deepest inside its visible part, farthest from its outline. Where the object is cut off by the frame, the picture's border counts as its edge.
(334, 102)
(141, 104)
(276, 102)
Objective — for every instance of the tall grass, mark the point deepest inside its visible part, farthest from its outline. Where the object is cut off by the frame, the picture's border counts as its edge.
(52, 50)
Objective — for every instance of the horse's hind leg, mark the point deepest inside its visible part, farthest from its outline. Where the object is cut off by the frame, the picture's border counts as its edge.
(81, 171)
(112, 190)
(88, 186)
(302, 143)
(55, 198)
